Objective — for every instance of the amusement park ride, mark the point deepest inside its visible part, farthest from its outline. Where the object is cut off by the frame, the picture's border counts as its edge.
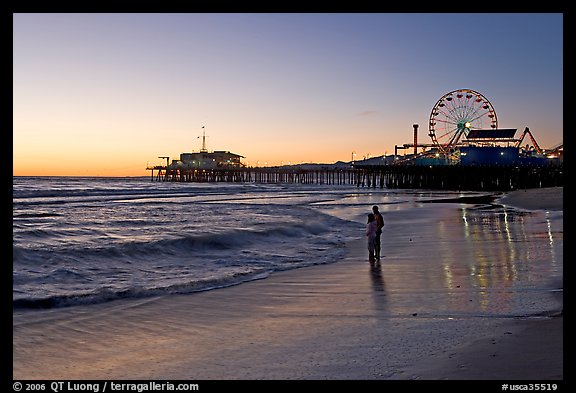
(465, 117)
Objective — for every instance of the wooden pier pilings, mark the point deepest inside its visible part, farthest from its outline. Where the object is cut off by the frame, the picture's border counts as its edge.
(458, 177)
(445, 177)
(258, 175)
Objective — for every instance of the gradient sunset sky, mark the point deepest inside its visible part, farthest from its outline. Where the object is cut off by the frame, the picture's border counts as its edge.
(105, 94)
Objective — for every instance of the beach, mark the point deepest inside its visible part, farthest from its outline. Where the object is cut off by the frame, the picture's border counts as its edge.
(536, 198)
(342, 321)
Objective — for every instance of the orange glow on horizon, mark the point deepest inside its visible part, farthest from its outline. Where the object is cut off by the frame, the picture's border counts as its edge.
(131, 160)
(136, 166)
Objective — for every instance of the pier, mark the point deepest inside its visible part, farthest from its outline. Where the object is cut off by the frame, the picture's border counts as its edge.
(257, 175)
(458, 177)
(441, 177)
(462, 156)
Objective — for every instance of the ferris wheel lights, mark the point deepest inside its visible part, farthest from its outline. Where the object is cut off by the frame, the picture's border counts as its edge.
(455, 120)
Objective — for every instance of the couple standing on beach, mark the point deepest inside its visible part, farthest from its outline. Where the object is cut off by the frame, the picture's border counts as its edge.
(373, 232)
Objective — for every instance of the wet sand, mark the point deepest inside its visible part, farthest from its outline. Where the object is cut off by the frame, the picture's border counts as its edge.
(535, 199)
(347, 320)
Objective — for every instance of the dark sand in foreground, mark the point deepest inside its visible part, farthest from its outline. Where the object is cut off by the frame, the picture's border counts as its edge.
(322, 322)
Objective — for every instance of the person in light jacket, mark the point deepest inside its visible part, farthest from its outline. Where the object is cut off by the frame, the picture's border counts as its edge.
(371, 228)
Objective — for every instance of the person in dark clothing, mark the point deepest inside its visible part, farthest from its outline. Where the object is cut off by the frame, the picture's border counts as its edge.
(379, 226)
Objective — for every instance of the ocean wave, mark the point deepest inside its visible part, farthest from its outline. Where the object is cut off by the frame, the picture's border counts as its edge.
(227, 240)
(35, 215)
(102, 295)
(61, 277)
(87, 241)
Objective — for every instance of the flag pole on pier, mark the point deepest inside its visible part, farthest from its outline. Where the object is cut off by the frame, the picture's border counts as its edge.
(204, 150)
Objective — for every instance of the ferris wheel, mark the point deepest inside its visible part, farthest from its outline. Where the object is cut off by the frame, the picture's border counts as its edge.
(456, 113)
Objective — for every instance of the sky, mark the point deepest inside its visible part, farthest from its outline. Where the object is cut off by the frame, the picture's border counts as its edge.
(106, 94)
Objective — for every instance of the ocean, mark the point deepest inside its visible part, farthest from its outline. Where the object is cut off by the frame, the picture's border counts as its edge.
(82, 240)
